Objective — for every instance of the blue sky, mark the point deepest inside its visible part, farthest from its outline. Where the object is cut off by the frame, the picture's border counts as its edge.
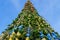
(49, 9)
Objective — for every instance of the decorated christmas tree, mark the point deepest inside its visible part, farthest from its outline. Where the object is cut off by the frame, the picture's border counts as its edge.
(29, 25)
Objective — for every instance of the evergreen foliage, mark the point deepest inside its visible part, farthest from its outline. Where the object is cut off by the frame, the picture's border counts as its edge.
(29, 25)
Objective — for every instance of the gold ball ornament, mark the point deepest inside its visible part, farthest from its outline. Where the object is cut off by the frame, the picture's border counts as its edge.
(43, 21)
(17, 39)
(43, 38)
(18, 34)
(11, 37)
(13, 33)
(27, 38)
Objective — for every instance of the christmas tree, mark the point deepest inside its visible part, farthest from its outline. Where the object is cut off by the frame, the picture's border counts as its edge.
(29, 25)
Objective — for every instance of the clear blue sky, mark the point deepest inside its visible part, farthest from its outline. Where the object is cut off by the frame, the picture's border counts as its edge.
(49, 9)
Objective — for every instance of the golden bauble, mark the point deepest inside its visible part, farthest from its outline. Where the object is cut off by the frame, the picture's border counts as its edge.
(43, 38)
(43, 21)
(10, 38)
(13, 33)
(27, 38)
(17, 39)
(18, 34)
